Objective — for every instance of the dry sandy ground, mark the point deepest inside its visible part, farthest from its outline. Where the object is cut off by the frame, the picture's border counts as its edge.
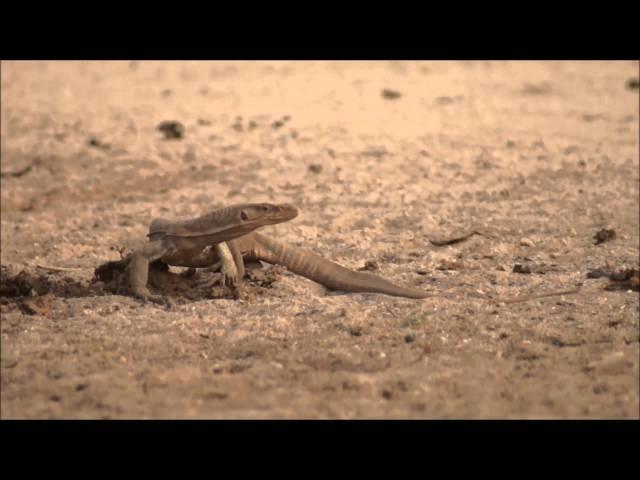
(537, 157)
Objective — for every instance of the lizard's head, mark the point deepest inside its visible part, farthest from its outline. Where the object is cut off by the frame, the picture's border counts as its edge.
(259, 214)
(226, 223)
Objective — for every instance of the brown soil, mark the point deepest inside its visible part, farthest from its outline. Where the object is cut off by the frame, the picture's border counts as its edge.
(477, 181)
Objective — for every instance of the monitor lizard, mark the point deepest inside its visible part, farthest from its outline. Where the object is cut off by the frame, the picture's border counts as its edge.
(199, 242)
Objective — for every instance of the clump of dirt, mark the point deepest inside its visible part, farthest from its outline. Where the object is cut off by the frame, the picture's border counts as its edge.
(171, 129)
(621, 279)
(26, 283)
(604, 235)
(265, 277)
(369, 266)
(111, 272)
(389, 94)
(36, 294)
(39, 305)
(188, 285)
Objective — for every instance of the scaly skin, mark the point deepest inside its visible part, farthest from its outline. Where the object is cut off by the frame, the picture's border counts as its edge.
(199, 242)
(255, 246)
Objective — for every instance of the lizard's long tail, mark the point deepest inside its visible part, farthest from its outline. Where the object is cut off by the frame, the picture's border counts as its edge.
(323, 271)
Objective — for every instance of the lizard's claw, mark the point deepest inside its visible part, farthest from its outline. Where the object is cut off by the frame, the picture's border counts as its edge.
(209, 281)
(145, 295)
(229, 277)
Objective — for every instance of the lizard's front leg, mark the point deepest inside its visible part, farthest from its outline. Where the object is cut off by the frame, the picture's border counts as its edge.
(230, 264)
(237, 258)
(228, 267)
(138, 270)
(226, 255)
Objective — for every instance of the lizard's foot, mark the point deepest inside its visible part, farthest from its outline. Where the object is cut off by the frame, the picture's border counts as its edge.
(229, 277)
(159, 300)
(209, 281)
(143, 293)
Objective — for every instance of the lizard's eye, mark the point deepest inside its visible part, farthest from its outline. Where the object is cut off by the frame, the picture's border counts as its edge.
(244, 216)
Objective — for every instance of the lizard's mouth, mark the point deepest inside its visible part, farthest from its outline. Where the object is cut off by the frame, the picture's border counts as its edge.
(277, 214)
(283, 213)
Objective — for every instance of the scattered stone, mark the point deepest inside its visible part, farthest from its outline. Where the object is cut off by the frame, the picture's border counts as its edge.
(190, 155)
(518, 268)
(625, 279)
(54, 374)
(444, 100)
(415, 320)
(237, 125)
(613, 364)
(600, 388)
(370, 266)
(97, 143)
(172, 130)
(542, 88)
(280, 123)
(570, 149)
(440, 242)
(590, 117)
(356, 331)
(315, 168)
(604, 235)
(526, 242)
(450, 265)
(21, 171)
(389, 94)
(40, 305)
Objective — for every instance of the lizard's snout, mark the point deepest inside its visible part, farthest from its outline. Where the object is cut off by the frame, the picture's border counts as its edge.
(288, 210)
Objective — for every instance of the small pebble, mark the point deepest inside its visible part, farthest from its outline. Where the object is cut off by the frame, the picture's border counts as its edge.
(355, 331)
(518, 268)
(604, 235)
(389, 94)
(171, 129)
